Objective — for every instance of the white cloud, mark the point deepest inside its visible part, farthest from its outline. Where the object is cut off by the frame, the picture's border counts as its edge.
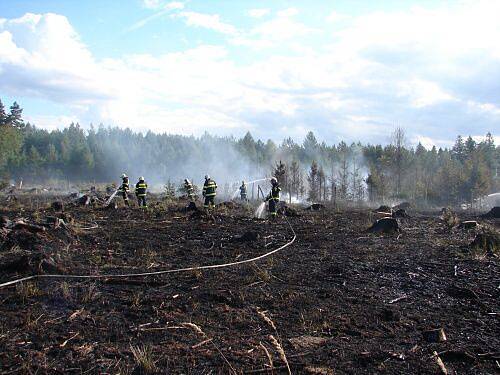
(279, 29)
(259, 12)
(208, 21)
(377, 70)
(423, 93)
(289, 12)
(335, 16)
(163, 8)
(162, 4)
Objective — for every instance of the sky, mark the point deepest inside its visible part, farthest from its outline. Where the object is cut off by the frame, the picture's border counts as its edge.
(350, 70)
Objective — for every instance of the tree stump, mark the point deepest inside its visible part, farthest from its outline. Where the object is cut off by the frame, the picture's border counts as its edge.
(470, 224)
(385, 225)
(57, 206)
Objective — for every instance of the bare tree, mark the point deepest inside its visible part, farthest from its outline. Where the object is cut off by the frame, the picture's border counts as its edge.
(343, 173)
(398, 142)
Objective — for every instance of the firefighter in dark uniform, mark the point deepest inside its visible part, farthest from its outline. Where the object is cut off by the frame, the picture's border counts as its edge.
(274, 197)
(125, 188)
(243, 191)
(209, 192)
(189, 189)
(140, 192)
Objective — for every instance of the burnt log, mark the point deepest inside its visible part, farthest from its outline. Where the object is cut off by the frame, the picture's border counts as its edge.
(385, 225)
(21, 225)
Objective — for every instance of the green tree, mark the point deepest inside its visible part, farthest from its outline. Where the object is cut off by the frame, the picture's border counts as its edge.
(3, 115)
(312, 179)
(15, 116)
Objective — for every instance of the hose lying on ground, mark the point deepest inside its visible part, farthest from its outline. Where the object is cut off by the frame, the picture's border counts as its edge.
(145, 274)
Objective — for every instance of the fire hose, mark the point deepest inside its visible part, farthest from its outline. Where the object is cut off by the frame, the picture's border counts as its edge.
(162, 272)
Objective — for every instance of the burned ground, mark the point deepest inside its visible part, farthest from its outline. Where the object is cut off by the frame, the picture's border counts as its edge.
(339, 300)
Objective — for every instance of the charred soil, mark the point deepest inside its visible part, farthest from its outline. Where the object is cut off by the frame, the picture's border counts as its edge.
(339, 300)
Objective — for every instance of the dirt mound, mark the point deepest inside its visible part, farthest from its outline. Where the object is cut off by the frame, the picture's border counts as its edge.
(385, 225)
(494, 213)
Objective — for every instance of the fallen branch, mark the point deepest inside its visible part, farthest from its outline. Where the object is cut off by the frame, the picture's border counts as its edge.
(440, 363)
(404, 296)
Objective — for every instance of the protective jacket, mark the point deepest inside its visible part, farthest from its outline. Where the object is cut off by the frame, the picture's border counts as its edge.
(243, 190)
(140, 189)
(125, 185)
(189, 189)
(209, 188)
(274, 194)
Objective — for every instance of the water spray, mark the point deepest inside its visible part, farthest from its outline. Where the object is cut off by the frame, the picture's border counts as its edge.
(110, 199)
(235, 194)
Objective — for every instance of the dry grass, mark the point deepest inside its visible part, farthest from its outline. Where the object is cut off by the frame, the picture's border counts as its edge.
(144, 359)
(281, 352)
(65, 291)
(27, 290)
(90, 293)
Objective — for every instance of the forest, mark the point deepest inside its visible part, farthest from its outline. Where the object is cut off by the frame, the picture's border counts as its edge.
(311, 170)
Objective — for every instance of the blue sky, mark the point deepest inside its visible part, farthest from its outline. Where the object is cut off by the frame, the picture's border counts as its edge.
(350, 70)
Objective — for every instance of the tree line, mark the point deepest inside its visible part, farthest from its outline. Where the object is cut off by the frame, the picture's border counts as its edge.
(310, 170)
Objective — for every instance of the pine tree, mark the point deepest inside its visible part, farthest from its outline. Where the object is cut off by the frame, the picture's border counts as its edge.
(458, 150)
(3, 115)
(15, 116)
(312, 179)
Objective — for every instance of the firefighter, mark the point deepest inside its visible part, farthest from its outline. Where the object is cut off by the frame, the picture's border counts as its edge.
(243, 191)
(125, 188)
(274, 197)
(140, 192)
(189, 189)
(209, 192)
